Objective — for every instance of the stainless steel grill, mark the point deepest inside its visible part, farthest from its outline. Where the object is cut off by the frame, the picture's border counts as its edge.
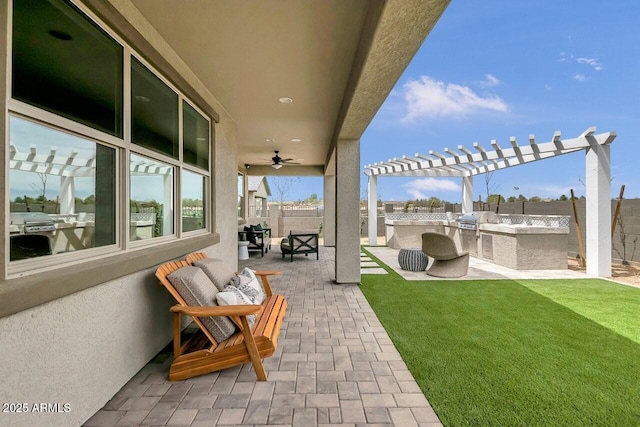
(470, 221)
(33, 222)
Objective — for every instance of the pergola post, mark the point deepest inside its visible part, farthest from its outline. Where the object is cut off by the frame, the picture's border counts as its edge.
(467, 194)
(67, 195)
(598, 208)
(167, 225)
(373, 210)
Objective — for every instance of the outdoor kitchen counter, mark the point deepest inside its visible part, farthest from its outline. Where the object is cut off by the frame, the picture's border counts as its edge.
(523, 247)
(407, 233)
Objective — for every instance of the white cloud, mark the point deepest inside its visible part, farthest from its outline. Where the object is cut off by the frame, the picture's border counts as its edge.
(590, 61)
(490, 81)
(423, 187)
(428, 98)
(580, 77)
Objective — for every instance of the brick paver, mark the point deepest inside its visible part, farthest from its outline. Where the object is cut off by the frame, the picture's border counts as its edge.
(335, 365)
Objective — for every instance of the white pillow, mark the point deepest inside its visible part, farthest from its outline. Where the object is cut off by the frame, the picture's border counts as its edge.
(233, 296)
(250, 285)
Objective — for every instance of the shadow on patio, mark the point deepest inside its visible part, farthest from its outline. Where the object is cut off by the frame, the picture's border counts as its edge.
(335, 364)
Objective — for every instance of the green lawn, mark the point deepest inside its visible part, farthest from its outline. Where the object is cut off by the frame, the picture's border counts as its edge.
(517, 353)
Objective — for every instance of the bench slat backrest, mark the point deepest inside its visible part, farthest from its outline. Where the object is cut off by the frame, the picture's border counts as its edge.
(165, 270)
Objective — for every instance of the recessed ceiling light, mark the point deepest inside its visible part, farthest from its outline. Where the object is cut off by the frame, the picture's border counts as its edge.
(296, 140)
(268, 140)
(286, 100)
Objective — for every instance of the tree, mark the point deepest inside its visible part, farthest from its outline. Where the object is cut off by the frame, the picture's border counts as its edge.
(563, 198)
(511, 199)
(489, 185)
(312, 199)
(493, 198)
(41, 188)
(284, 186)
(521, 198)
(535, 199)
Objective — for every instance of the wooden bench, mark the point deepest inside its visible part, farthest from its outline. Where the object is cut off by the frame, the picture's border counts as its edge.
(202, 354)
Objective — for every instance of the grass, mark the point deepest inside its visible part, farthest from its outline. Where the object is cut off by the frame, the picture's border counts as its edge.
(517, 353)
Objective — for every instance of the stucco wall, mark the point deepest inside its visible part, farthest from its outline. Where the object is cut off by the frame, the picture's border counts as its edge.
(81, 349)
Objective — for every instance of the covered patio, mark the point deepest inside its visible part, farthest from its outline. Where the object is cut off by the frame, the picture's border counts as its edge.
(335, 364)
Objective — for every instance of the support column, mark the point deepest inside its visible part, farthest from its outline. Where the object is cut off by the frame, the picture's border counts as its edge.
(348, 211)
(67, 195)
(467, 194)
(598, 209)
(373, 210)
(329, 225)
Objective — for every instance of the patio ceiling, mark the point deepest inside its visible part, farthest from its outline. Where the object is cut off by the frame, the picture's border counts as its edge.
(337, 60)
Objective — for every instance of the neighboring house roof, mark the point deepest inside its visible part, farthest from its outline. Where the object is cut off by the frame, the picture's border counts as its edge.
(254, 183)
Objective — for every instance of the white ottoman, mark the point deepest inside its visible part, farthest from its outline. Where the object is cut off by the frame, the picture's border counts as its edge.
(243, 249)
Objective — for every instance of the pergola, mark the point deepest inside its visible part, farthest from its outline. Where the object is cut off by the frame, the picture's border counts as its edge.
(465, 163)
(72, 166)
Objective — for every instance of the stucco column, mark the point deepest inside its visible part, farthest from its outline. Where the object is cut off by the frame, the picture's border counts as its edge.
(373, 210)
(348, 211)
(67, 195)
(329, 224)
(598, 209)
(467, 194)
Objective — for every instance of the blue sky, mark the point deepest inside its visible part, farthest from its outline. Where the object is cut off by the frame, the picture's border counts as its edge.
(496, 69)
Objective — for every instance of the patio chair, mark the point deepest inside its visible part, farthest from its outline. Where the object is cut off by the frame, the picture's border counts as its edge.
(300, 242)
(202, 353)
(259, 238)
(448, 262)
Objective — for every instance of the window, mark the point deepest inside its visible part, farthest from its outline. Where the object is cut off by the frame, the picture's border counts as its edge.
(195, 137)
(193, 198)
(62, 191)
(154, 111)
(65, 64)
(240, 195)
(66, 181)
(151, 194)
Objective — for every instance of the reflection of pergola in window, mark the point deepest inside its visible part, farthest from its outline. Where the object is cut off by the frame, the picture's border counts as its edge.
(465, 163)
(69, 167)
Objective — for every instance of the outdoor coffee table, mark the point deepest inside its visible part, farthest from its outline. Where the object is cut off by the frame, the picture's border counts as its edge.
(412, 259)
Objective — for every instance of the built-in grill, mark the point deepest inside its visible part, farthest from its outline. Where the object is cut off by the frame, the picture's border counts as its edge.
(33, 222)
(32, 238)
(470, 221)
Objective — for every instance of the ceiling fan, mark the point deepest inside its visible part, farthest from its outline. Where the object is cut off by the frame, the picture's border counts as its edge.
(277, 162)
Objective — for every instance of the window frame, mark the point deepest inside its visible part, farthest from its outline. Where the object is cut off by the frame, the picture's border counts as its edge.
(29, 269)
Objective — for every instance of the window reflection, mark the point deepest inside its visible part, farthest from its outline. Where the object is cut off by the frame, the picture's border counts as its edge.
(193, 209)
(151, 198)
(62, 192)
(240, 195)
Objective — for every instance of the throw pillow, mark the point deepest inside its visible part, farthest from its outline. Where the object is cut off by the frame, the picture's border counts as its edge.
(233, 296)
(217, 270)
(251, 236)
(250, 285)
(198, 290)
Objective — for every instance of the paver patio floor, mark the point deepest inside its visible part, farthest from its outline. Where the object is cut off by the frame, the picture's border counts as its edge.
(335, 365)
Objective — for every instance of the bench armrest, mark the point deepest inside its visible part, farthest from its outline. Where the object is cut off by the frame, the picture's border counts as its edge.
(227, 310)
(264, 277)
